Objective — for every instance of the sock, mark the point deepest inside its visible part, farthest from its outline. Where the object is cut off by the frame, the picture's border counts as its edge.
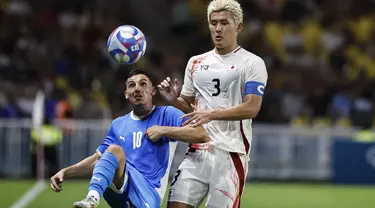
(94, 194)
(103, 174)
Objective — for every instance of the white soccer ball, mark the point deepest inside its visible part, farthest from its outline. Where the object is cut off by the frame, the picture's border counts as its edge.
(127, 44)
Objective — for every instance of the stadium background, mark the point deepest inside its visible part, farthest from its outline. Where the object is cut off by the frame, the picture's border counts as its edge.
(320, 56)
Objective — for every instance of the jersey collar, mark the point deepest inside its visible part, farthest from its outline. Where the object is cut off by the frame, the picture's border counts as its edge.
(228, 54)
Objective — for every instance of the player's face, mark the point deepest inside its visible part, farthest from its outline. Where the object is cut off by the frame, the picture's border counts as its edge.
(223, 29)
(139, 90)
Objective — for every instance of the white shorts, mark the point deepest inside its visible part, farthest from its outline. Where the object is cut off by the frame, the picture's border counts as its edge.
(212, 172)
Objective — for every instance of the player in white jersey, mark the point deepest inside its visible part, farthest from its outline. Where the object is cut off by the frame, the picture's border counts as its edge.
(226, 86)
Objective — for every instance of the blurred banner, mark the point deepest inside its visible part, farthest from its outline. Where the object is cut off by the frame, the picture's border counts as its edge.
(277, 152)
(353, 162)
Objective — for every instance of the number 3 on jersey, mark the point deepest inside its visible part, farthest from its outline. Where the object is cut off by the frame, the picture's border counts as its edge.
(216, 86)
(137, 139)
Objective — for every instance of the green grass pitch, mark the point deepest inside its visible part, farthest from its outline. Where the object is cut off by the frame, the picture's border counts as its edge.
(256, 195)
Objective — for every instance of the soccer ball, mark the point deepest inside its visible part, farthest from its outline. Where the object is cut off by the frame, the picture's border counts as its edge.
(127, 44)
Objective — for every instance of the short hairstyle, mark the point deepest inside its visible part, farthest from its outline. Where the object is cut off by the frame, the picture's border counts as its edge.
(231, 6)
(134, 72)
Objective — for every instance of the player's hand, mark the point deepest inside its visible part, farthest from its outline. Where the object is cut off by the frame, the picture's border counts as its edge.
(154, 133)
(57, 180)
(197, 117)
(169, 90)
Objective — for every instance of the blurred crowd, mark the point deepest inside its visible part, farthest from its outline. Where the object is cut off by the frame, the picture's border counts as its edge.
(320, 55)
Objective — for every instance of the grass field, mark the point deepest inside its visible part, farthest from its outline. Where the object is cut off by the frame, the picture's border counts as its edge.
(258, 195)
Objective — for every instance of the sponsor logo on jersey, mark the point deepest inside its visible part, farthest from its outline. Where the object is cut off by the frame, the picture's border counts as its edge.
(171, 192)
(204, 67)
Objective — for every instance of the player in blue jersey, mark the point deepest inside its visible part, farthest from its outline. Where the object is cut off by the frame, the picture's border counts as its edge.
(131, 166)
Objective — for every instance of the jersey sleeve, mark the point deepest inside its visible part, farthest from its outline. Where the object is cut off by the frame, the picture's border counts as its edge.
(188, 87)
(256, 76)
(173, 118)
(110, 138)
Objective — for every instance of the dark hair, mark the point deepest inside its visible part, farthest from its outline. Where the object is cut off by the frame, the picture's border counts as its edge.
(134, 72)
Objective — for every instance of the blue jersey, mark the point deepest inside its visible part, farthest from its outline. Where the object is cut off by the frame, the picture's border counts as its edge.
(151, 159)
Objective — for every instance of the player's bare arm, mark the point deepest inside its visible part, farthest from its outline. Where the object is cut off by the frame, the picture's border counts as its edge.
(189, 133)
(247, 110)
(82, 168)
(170, 91)
(184, 103)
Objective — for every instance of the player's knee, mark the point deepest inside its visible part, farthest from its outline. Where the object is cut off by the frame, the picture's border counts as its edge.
(178, 205)
(117, 151)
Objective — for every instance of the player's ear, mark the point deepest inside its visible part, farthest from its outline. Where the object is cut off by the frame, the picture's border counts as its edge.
(239, 27)
(153, 92)
(125, 91)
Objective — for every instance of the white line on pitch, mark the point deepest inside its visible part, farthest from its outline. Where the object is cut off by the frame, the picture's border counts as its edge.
(30, 195)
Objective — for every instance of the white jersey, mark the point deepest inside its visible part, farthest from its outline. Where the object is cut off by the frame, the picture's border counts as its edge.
(219, 82)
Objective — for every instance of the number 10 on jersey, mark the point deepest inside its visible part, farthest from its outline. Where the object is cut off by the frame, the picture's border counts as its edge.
(137, 139)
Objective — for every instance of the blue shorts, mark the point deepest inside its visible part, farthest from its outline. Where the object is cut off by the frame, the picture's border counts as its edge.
(136, 189)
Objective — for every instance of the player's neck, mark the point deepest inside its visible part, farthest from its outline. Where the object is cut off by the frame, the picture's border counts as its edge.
(227, 50)
(142, 111)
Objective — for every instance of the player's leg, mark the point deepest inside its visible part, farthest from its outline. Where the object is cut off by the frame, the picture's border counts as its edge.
(189, 186)
(227, 184)
(136, 192)
(179, 205)
(109, 169)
